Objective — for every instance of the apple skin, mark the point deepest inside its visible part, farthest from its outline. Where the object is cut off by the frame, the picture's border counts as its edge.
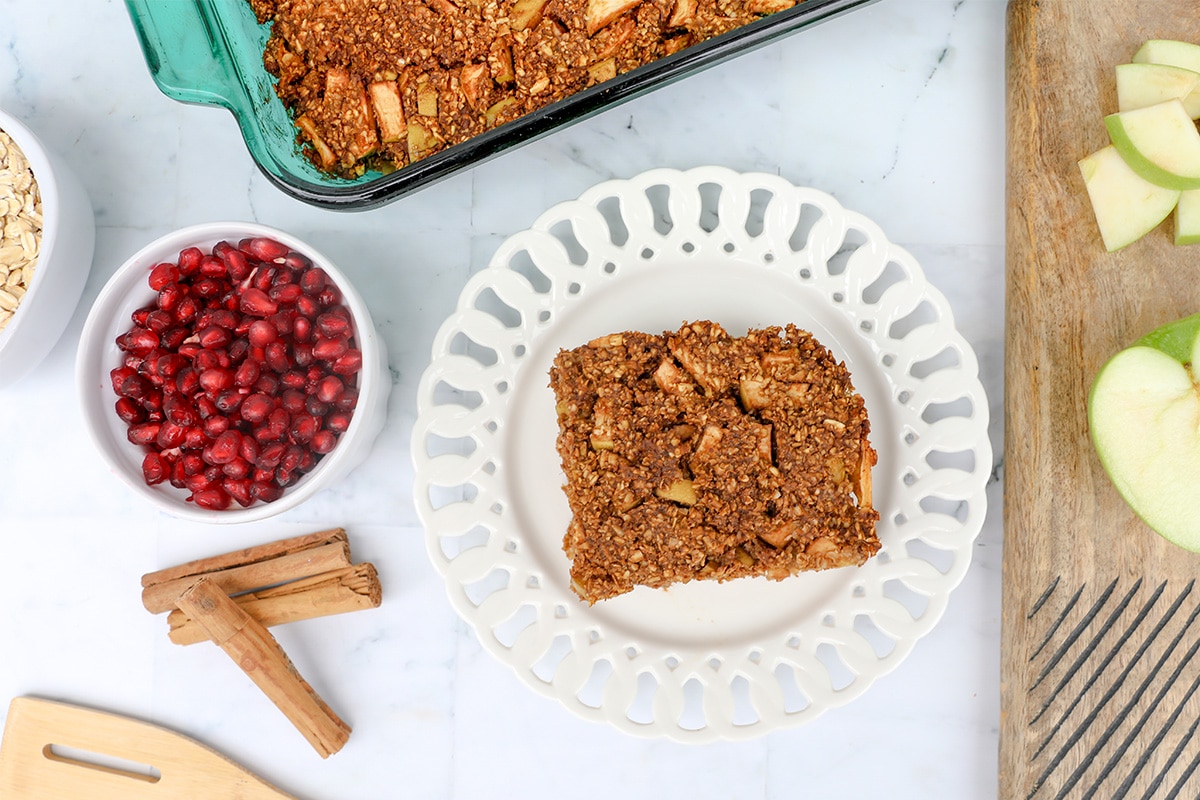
(1126, 205)
(1144, 421)
(1160, 143)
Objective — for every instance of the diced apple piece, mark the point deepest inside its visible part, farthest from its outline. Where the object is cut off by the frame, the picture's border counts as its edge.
(683, 13)
(1140, 85)
(603, 70)
(389, 112)
(309, 129)
(501, 64)
(1176, 54)
(475, 78)
(427, 98)
(1126, 205)
(679, 491)
(526, 14)
(780, 534)
(601, 13)
(498, 108)
(421, 141)
(1160, 143)
(672, 380)
(753, 393)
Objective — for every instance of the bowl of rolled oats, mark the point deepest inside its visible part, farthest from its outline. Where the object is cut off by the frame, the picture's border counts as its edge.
(47, 234)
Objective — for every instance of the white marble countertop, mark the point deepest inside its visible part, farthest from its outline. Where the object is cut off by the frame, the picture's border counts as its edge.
(895, 109)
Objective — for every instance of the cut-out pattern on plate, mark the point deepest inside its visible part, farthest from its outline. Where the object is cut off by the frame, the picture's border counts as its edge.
(699, 661)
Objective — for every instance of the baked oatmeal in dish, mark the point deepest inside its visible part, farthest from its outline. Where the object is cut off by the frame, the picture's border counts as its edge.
(378, 84)
(695, 454)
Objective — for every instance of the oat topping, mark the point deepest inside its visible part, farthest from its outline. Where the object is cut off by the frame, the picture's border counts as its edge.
(697, 455)
(20, 227)
(383, 83)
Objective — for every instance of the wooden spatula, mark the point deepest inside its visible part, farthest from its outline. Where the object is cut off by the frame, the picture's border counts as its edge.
(56, 751)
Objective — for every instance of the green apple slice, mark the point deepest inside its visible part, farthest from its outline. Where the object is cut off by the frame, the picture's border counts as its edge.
(1140, 85)
(1187, 218)
(1144, 416)
(1175, 54)
(1160, 142)
(1126, 205)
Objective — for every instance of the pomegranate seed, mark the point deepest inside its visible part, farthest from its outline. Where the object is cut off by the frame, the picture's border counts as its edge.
(329, 296)
(238, 468)
(179, 410)
(215, 426)
(169, 296)
(267, 384)
(256, 408)
(216, 380)
(118, 376)
(270, 455)
(291, 459)
(334, 322)
(187, 381)
(170, 435)
(214, 338)
(154, 469)
(348, 399)
(194, 439)
(198, 482)
(239, 490)
(277, 357)
(256, 303)
(308, 306)
(206, 407)
(162, 274)
(140, 316)
(297, 261)
(348, 363)
(186, 310)
(329, 389)
(236, 264)
(263, 248)
(292, 401)
(287, 293)
(263, 278)
(228, 402)
(192, 464)
(224, 448)
(265, 491)
(178, 475)
(249, 449)
(138, 341)
(158, 321)
(262, 333)
(206, 359)
(314, 281)
(338, 421)
(302, 429)
(277, 423)
(210, 287)
(293, 379)
(143, 433)
(135, 387)
(169, 365)
(214, 498)
(315, 407)
(189, 260)
(247, 373)
(129, 411)
(302, 354)
(332, 349)
(238, 349)
(283, 276)
(323, 442)
(301, 328)
(220, 317)
(213, 267)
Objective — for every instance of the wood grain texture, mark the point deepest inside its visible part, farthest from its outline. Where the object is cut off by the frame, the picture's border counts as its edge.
(56, 751)
(1100, 621)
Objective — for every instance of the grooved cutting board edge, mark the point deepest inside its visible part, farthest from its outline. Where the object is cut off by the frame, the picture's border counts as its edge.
(1100, 693)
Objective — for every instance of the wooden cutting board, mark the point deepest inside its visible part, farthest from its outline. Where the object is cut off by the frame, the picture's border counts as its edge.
(1101, 618)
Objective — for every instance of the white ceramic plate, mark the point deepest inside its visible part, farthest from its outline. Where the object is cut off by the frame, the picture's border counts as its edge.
(699, 661)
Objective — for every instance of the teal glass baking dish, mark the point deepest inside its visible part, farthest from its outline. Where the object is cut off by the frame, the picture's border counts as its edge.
(210, 52)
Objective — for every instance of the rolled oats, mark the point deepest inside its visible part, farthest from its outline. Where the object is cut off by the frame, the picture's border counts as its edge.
(20, 226)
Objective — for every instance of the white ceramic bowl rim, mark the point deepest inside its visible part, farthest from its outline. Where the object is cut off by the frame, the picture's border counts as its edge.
(47, 181)
(100, 323)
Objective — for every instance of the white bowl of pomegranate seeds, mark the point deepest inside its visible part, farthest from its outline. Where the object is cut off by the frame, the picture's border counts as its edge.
(47, 233)
(228, 372)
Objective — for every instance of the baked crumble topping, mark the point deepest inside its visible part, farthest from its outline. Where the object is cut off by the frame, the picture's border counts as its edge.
(697, 455)
(383, 83)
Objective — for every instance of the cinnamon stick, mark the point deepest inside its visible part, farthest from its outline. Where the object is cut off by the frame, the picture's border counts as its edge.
(337, 592)
(249, 555)
(158, 594)
(254, 649)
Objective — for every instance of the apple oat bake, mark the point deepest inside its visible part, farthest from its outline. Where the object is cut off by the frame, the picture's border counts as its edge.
(698, 455)
(383, 83)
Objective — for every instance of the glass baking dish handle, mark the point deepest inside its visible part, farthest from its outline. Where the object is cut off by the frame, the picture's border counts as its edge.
(183, 52)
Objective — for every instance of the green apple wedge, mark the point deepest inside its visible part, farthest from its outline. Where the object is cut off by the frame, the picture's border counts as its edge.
(1160, 142)
(1126, 205)
(1187, 218)
(1175, 54)
(1140, 85)
(1144, 417)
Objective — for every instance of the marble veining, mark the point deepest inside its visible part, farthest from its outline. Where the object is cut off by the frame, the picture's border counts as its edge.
(895, 109)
